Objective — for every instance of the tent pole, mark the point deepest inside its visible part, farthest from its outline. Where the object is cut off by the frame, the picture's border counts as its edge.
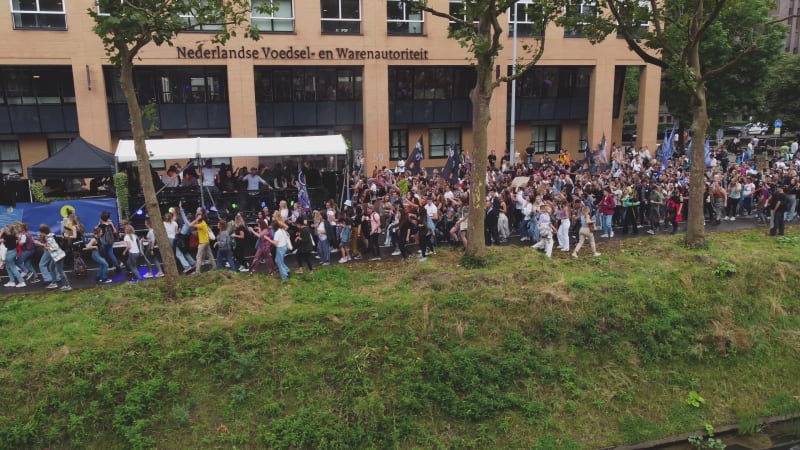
(30, 193)
(116, 194)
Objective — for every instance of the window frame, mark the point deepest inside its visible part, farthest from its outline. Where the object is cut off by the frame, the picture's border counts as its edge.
(339, 19)
(398, 148)
(37, 12)
(272, 18)
(4, 162)
(198, 28)
(52, 143)
(547, 141)
(405, 20)
(441, 149)
(526, 28)
(579, 8)
(453, 25)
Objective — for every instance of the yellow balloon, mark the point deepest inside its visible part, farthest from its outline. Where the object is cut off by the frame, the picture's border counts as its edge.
(66, 208)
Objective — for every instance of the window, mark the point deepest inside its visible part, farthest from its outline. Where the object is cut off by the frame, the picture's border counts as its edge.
(9, 157)
(307, 85)
(547, 138)
(457, 9)
(36, 86)
(584, 138)
(440, 139)
(398, 145)
(56, 145)
(555, 82)
(430, 83)
(281, 19)
(38, 14)
(171, 85)
(104, 7)
(204, 24)
(403, 19)
(582, 11)
(341, 16)
(527, 24)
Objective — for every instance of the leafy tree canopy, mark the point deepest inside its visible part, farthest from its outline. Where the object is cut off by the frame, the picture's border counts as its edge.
(781, 87)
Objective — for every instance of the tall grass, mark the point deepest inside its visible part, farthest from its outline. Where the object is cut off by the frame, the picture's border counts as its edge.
(524, 353)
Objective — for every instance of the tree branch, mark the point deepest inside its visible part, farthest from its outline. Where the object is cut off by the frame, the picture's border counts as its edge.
(631, 39)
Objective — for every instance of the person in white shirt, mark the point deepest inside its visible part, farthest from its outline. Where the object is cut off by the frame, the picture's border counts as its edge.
(171, 179)
(254, 181)
(282, 244)
(208, 174)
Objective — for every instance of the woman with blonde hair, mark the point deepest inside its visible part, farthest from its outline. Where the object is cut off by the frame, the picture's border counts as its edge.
(586, 232)
(133, 251)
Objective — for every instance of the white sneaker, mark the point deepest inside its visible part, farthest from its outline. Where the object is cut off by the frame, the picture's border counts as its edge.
(396, 252)
(148, 275)
(21, 284)
(651, 232)
(575, 256)
(10, 284)
(597, 254)
(611, 235)
(53, 285)
(603, 235)
(524, 239)
(342, 260)
(733, 218)
(243, 269)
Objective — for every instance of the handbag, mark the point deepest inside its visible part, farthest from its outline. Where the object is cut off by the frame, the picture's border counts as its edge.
(211, 235)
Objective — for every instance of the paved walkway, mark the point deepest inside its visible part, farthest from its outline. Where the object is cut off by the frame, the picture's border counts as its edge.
(88, 281)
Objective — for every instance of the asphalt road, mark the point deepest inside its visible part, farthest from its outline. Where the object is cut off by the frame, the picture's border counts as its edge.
(123, 277)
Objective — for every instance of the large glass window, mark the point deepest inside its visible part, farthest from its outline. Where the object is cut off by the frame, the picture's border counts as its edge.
(582, 11)
(280, 19)
(307, 85)
(398, 145)
(430, 83)
(554, 82)
(172, 85)
(9, 157)
(547, 138)
(39, 14)
(341, 16)
(36, 86)
(526, 23)
(402, 18)
(440, 139)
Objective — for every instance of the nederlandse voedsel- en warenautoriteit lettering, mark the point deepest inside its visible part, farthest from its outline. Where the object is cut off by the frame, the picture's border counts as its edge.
(219, 52)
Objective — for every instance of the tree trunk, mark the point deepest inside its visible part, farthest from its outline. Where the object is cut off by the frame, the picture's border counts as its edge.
(146, 177)
(695, 230)
(481, 96)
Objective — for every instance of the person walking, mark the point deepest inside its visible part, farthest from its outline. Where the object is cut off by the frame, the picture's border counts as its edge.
(149, 253)
(607, 207)
(546, 229)
(203, 241)
(374, 232)
(305, 245)
(57, 255)
(586, 232)
(109, 237)
(563, 216)
(263, 235)
(9, 237)
(778, 203)
(223, 245)
(133, 252)
(94, 246)
(282, 244)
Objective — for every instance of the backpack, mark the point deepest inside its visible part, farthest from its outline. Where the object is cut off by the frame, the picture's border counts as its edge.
(108, 237)
(223, 241)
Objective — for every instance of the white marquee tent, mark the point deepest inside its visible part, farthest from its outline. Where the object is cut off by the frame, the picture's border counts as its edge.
(162, 149)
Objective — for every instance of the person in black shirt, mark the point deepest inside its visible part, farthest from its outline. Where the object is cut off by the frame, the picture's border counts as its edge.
(778, 203)
(492, 159)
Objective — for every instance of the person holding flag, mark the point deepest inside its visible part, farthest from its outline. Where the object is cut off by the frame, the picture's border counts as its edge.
(414, 161)
(302, 191)
(450, 170)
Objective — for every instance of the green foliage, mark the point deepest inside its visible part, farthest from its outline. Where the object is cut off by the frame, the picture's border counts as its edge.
(495, 358)
(121, 188)
(37, 191)
(725, 269)
(694, 399)
(708, 441)
(781, 86)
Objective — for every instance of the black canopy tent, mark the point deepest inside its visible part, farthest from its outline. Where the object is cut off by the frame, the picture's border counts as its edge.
(79, 159)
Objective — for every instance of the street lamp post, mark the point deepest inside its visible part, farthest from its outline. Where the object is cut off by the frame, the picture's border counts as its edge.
(512, 140)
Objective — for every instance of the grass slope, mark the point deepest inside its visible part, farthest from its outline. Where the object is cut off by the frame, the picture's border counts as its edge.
(527, 353)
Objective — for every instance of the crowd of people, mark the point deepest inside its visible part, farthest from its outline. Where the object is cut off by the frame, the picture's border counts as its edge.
(546, 200)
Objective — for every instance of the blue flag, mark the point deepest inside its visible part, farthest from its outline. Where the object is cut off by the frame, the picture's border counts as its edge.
(667, 147)
(302, 191)
(708, 153)
(414, 161)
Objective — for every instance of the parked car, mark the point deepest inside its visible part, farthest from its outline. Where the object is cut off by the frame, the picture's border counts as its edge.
(758, 128)
(733, 130)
